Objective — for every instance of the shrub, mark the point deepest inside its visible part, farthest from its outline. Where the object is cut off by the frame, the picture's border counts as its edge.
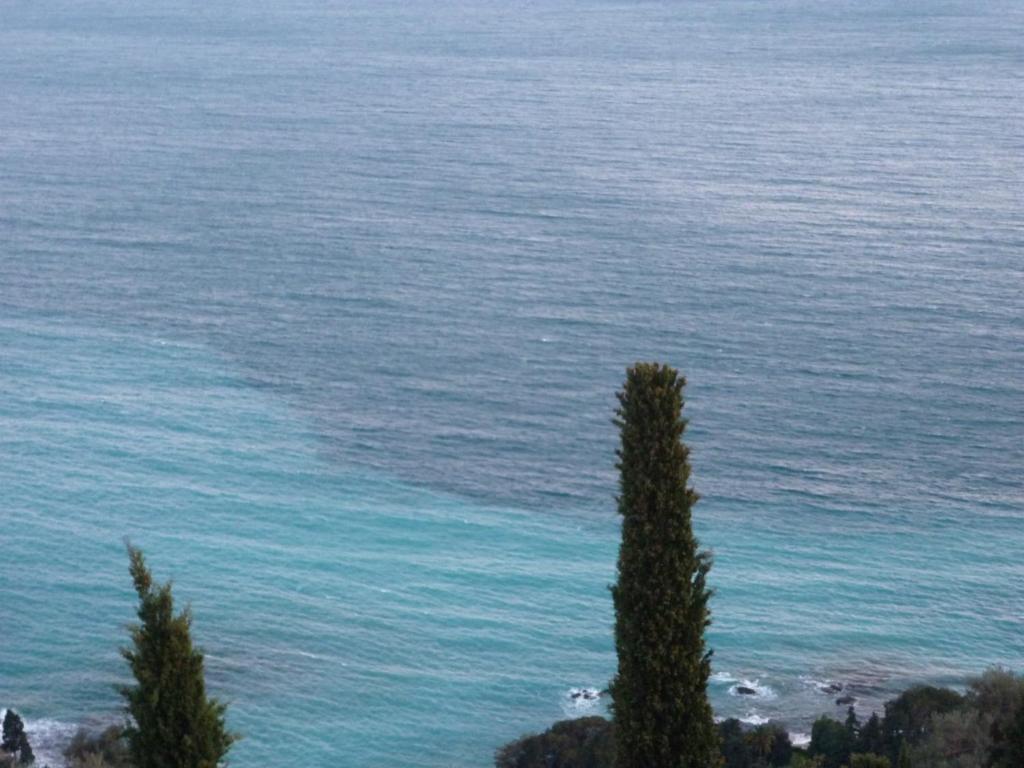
(831, 741)
(957, 739)
(104, 750)
(998, 696)
(871, 739)
(907, 717)
(1009, 751)
(734, 744)
(766, 746)
(584, 743)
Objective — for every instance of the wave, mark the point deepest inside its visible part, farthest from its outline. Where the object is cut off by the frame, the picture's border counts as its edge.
(753, 689)
(752, 718)
(48, 739)
(577, 700)
(826, 686)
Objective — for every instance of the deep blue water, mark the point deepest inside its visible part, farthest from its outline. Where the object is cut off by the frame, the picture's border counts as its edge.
(325, 306)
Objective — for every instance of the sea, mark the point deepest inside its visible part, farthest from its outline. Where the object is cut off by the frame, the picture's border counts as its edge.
(325, 304)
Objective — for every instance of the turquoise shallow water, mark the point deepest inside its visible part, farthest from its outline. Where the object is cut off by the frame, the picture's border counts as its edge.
(325, 305)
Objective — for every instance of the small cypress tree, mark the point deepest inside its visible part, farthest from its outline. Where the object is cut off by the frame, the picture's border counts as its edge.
(852, 725)
(174, 724)
(13, 728)
(15, 740)
(659, 697)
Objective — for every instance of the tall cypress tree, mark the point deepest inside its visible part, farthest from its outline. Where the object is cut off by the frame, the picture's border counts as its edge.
(174, 724)
(659, 697)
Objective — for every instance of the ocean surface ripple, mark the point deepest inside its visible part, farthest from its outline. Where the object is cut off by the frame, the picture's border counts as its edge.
(325, 304)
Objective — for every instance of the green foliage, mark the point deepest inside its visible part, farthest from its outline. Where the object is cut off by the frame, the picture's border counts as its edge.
(984, 729)
(871, 739)
(831, 740)
(852, 725)
(957, 739)
(869, 761)
(1008, 752)
(14, 729)
(996, 693)
(175, 725)
(15, 740)
(584, 743)
(781, 752)
(978, 733)
(104, 750)
(659, 696)
(765, 746)
(998, 696)
(907, 717)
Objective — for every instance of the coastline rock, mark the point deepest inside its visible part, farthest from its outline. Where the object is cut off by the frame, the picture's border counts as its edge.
(743, 690)
(843, 701)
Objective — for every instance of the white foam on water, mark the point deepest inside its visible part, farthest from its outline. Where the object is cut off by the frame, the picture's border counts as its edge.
(800, 739)
(828, 687)
(581, 700)
(753, 718)
(762, 692)
(48, 738)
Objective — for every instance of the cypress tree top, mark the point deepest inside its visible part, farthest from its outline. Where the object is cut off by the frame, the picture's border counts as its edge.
(174, 724)
(662, 715)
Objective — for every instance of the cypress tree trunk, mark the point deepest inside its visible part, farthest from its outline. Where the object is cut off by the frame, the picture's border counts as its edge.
(174, 724)
(659, 697)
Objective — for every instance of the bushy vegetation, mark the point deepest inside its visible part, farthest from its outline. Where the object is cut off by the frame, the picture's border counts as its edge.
(765, 746)
(584, 743)
(929, 727)
(107, 749)
(590, 743)
(908, 717)
(924, 727)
